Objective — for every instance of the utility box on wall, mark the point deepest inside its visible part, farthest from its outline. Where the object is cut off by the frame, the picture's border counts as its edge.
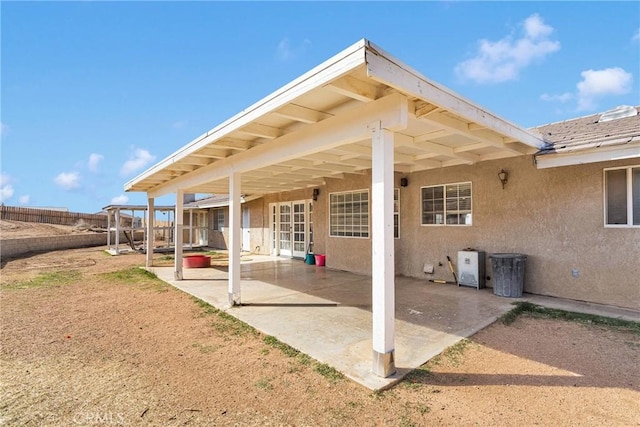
(471, 269)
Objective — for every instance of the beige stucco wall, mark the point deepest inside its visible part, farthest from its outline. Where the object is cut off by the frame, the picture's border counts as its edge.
(218, 238)
(554, 216)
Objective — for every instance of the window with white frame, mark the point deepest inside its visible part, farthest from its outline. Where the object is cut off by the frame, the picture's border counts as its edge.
(218, 219)
(396, 213)
(622, 197)
(349, 214)
(447, 204)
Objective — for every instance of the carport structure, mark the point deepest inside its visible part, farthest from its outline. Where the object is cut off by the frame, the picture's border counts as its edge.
(360, 110)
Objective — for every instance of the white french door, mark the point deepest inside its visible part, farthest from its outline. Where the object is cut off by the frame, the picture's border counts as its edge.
(299, 229)
(284, 229)
(290, 228)
(246, 230)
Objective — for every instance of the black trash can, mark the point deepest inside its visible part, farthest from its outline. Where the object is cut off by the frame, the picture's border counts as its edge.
(508, 274)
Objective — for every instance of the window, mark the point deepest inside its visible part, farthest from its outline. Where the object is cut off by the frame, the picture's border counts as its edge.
(218, 219)
(448, 204)
(622, 197)
(349, 214)
(396, 213)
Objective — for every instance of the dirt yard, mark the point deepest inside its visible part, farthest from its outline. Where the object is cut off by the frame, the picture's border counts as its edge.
(88, 339)
(16, 229)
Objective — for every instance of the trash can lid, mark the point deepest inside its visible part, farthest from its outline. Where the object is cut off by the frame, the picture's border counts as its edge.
(507, 255)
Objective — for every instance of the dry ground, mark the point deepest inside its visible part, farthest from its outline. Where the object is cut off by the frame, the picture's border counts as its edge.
(16, 229)
(89, 340)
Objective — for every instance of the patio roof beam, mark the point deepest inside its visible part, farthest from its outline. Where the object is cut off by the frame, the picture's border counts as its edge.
(324, 158)
(471, 147)
(182, 167)
(308, 165)
(425, 110)
(425, 164)
(432, 149)
(459, 127)
(211, 153)
(357, 150)
(354, 88)
(301, 114)
(261, 131)
(195, 160)
(234, 144)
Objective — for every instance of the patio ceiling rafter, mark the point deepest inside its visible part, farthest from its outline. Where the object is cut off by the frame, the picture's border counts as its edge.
(333, 132)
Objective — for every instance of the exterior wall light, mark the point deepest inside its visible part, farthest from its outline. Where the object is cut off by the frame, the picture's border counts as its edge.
(504, 177)
(316, 192)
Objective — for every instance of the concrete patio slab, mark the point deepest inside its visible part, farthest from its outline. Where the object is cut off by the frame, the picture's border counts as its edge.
(326, 313)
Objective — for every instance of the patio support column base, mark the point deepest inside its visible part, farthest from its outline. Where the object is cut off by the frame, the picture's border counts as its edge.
(234, 299)
(384, 364)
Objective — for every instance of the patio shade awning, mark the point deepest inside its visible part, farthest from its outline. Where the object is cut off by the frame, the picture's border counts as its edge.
(316, 127)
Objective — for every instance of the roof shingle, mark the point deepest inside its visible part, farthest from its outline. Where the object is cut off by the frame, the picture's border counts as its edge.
(587, 132)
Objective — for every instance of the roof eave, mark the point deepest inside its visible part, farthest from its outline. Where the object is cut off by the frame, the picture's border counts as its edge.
(592, 155)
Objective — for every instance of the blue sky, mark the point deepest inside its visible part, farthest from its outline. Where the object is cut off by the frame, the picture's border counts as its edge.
(94, 93)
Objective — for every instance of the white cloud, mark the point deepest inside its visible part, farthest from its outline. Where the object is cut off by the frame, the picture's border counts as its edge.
(6, 189)
(119, 200)
(94, 159)
(285, 51)
(636, 36)
(503, 60)
(565, 97)
(599, 83)
(140, 159)
(180, 124)
(4, 129)
(24, 200)
(67, 180)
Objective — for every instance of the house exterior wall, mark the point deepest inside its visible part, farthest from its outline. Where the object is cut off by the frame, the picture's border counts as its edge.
(218, 238)
(554, 216)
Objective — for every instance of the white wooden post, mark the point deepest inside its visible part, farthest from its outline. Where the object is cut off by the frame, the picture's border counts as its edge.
(178, 237)
(117, 252)
(382, 251)
(190, 228)
(234, 238)
(109, 229)
(151, 217)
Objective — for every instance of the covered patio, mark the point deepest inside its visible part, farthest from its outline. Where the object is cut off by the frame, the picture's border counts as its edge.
(326, 313)
(360, 113)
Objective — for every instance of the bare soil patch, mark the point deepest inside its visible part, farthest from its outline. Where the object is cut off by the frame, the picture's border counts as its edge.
(19, 229)
(88, 339)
